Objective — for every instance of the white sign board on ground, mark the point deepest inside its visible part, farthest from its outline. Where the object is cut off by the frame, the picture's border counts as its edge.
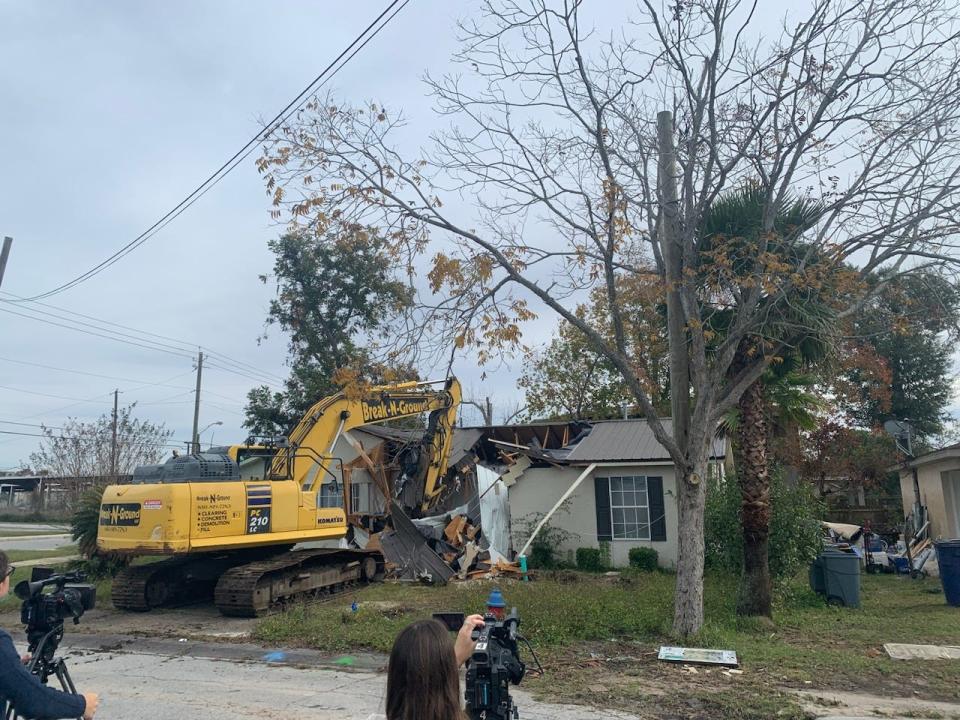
(702, 656)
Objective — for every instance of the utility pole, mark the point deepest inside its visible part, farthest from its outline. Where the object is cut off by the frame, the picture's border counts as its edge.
(4, 254)
(113, 443)
(196, 405)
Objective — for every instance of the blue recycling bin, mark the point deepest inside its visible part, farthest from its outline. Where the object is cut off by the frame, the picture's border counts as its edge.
(948, 558)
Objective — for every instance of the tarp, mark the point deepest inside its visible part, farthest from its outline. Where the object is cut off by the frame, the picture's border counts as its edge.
(845, 531)
(494, 512)
(900, 651)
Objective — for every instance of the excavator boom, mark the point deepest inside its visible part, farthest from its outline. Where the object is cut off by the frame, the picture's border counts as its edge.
(328, 420)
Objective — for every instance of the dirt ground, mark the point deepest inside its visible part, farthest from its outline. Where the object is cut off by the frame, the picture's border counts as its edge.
(196, 622)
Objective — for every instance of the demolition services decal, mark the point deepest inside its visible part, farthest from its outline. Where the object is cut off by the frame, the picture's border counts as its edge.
(120, 514)
(259, 500)
(387, 408)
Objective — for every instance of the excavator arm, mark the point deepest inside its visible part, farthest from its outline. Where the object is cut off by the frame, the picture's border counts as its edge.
(307, 456)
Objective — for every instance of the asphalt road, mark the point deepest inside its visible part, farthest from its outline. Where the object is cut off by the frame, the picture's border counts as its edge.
(166, 680)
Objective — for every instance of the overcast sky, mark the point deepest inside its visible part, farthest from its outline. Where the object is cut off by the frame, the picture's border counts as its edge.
(110, 113)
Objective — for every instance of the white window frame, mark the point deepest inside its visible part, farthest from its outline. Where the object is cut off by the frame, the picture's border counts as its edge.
(641, 527)
(359, 498)
(324, 498)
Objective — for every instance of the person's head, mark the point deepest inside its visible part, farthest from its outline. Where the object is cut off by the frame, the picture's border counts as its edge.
(423, 682)
(5, 571)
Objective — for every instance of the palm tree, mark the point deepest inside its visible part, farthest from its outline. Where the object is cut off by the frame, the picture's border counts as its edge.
(736, 222)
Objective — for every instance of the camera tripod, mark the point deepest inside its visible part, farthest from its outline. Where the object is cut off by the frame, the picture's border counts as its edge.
(43, 664)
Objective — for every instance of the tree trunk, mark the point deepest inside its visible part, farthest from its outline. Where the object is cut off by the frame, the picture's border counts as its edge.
(755, 597)
(691, 478)
(691, 500)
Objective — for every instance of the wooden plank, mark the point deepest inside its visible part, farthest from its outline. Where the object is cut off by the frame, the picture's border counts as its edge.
(454, 529)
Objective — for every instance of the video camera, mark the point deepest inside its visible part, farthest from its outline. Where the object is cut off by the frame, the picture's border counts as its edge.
(493, 667)
(43, 611)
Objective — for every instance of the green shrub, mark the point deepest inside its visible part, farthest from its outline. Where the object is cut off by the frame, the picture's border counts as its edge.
(644, 558)
(84, 526)
(544, 552)
(606, 555)
(35, 516)
(795, 535)
(590, 559)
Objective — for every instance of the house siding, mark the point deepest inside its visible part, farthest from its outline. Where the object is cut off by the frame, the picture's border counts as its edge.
(943, 522)
(538, 489)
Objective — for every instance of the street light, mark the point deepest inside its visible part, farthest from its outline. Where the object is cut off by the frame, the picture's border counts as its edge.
(196, 442)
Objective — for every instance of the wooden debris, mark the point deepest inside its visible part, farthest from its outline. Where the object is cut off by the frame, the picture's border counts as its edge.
(467, 560)
(454, 529)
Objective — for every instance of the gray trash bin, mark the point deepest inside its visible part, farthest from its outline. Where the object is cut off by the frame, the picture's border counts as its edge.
(816, 575)
(841, 577)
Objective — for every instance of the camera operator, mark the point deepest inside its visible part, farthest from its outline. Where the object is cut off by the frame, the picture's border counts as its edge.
(18, 686)
(423, 681)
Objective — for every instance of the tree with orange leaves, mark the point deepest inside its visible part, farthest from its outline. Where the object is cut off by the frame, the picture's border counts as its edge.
(571, 162)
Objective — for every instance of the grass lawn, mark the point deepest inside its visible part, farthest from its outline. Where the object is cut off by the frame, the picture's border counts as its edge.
(16, 556)
(11, 602)
(597, 639)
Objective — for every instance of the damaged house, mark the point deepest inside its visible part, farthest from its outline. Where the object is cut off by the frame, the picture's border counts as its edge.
(503, 478)
(625, 490)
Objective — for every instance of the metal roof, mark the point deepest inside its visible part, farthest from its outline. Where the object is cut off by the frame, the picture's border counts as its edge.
(464, 439)
(626, 441)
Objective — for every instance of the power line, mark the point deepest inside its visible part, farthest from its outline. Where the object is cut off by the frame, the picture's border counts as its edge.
(238, 372)
(165, 401)
(188, 346)
(66, 407)
(141, 383)
(88, 332)
(39, 425)
(120, 337)
(221, 408)
(77, 437)
(90, 374)
(34, 392)
(328, 72)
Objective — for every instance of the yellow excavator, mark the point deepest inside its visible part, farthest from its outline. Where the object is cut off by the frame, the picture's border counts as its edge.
(229, 520)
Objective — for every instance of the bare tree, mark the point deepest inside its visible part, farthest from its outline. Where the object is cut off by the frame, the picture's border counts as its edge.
(486, 411)
(551, 181)
(83, 449)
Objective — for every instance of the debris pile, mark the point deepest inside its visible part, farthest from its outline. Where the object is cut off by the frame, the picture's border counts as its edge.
(438, 549)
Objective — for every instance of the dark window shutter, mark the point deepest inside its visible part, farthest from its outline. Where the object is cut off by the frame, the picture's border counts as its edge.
(658, 519)
(602, 488)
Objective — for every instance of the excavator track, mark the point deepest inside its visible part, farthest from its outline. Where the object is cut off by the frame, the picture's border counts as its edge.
(254, 588)
(167, 583)
(177, 581)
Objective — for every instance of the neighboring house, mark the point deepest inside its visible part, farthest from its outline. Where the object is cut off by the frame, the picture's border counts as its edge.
(937, 487)
(629, 498)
